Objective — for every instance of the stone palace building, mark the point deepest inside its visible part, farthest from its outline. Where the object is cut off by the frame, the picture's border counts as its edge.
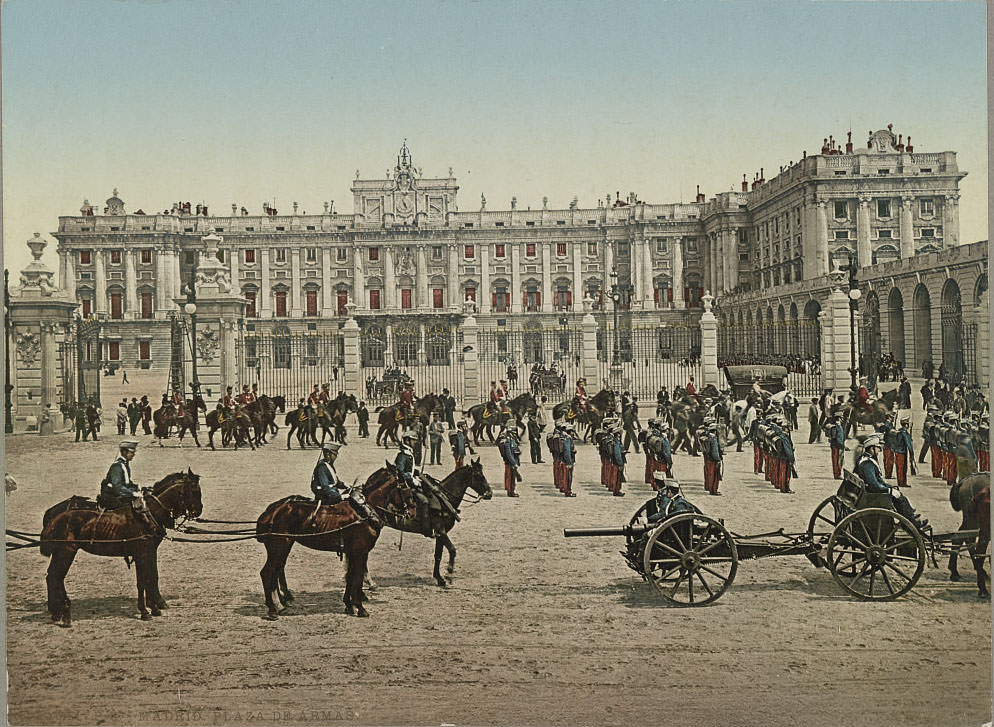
(408, 253)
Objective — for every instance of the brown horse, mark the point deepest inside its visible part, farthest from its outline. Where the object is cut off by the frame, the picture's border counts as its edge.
(235, 426)
(165, 419)
(338, 409)
(598, 407)
(880, 410)
(516, 408)
(116, 533)
(387, 494)
(961, 496)
(423, 409)
(339, 528)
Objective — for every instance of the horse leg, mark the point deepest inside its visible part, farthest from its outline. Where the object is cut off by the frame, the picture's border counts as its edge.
(438, 560)
(452, 552)
(157, 601)
(210, 439)
(286, 598)
(356, 561)
(289, 434)
(141, 579)
(277, 551)
(979, 556)
(58, 600)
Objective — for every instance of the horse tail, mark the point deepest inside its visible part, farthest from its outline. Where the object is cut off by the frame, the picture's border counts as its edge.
(954, 497)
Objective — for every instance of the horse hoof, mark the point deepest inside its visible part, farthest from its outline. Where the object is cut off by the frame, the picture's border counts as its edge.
(65, 624)
(161, 604)
(146, 617)
(441, 583)
(362, 613)
(155, 612)
(271, 617)
(350, 611)
(954, 576)
(288, 597)
(450, 570)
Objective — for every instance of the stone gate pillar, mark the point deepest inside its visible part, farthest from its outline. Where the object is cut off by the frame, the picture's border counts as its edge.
(353, 359)
(471, 356)
(710, 374)
(836, 338)
(588, 358)
(40, 315)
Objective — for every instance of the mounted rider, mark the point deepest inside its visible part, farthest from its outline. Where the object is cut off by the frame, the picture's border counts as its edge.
(314, 400)
(863, 396)
(228, 403)
(325, 396)
(869, 471)
(580, 402)
(118, 489)
(498, 400)
(421, 488)
(325, 482)
(302, 411)
(245, 397)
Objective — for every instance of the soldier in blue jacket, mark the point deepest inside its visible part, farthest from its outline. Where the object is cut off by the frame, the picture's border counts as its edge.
(712, 459)
(117, 488)
(510, 452)
(669, 501)
(869, 471)
(404, 463)
(904, 452)
(325, 482)
(837, 442)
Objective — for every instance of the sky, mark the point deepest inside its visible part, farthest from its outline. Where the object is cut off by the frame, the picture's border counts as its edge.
(244, 102)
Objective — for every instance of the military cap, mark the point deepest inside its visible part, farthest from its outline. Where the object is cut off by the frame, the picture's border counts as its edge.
(872, 440)
(129, 444)
(672, 485)
(408, 434)
(331, 447)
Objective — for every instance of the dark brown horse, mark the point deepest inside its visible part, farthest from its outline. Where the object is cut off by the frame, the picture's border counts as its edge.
(880, 410)
(598, 407)
(340, 528)
(423, 409)
(516, 409)
(387, 494)
(118, 533)
(235, 426)
(961, 495)
(166, 418)
(338, 409)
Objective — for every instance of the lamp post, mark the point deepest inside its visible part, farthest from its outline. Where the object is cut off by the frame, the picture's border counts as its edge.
(616, 298)
(190, 308)
(8, 422)
(854, 296)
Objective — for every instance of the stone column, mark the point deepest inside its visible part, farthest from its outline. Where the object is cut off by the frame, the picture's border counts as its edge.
(69, 281)
(636, 274)
(836, 344)
(983, 342)
(265, 293)
(328, 307)
(547, 277)
(388, 349)
(234, 272)
(389, 279)
(578, 291)
(100, 282)
(130, 285)
(648, 275)
(422, 357)
(483, 296)
(49, 364)
(821, 233)
(709, 344)
(421, 292)
(608, 264)
(864, 252)
(678, 301)
(907, 229)
(827, 351)
(176, 274)
(295, 310)
(359, 296)
(455, 296)
(229, 333)
(950, 220)
(588, 358)
(353, 371)
(515, 277)
(471, 358)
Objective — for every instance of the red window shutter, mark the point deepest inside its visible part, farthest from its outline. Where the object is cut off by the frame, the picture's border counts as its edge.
(561, 249)
(115, 306)
(538, 300)
(343, 299)
(437, 298)
(655, 295)
(250, 256)
(374, 253)
(144, 350)
(146, 305)
(281, 304)
(469, 252)
(84, 257)
(405, 298)
(374, 300)
(312, 302)
(569, 299)
(250, 308)
(86, 307)
(146, 257)
(669, 295)
(115, 257)
(686, 295)
(524, 299)
(600, 297)
(114, 350)
(530, 249)
(470, 294)
(495, 300)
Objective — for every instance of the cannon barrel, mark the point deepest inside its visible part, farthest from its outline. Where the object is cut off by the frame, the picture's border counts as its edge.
(595, 532)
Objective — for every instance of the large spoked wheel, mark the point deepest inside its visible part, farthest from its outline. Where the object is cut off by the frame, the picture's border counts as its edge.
(690, 559)
(876, 554)
(827, 516)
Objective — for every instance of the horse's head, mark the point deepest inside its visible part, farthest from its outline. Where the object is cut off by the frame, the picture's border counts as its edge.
(180, 494)
(478, 480)
(198, 401)
(350, 403)
(280, 402)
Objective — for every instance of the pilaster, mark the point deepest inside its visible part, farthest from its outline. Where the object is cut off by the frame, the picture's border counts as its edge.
(907, 228)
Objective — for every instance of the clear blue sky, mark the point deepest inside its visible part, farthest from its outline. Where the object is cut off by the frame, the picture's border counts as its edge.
(242, 102)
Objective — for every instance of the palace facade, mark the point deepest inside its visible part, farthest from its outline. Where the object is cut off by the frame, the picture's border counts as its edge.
(407, 253)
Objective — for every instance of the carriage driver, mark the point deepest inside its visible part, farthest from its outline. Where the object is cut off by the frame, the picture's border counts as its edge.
(869, 471)
(117, 488)
(325, 482)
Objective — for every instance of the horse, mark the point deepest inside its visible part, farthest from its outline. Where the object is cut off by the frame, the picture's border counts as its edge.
(165, 418)
(234, 426)
(423, 409)
(961, 495)
(685, 418)
(387, 494)
(338, 409)
(880, 410)
(341, 528)
(80, 524)
(600, 406)
(270, 407)
(303, 427)
(516, 409)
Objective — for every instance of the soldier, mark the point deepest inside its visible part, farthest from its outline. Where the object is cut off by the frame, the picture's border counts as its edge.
(814, 416)
(404, 463)
(886, 432)
(80, 423)
(406, 407)
(616, 459)
(178, 403)
(325, 482)
(510, 452)
(459, 443)
(255, 392)
(325, 396)
(435, 432)
(228, 402)
(534, 439)
(982, 444)
(362, 414)
(93, 418)
(926, 436)
(580, 396)
(315, 397)
(669, 500)
(903, 451)
(837, 443)
(245, 397)
(785, 449)
(951, 437)
(966, 454)
(122, 417)
(630, 421)
(146, 410)
(712, 459)
(563, 458)
(757, 445)
(869, 471)
(118, 489)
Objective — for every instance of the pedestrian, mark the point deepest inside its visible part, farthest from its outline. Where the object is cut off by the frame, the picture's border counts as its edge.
(122, 417)
(534, 439)
(459, 443)
(134, 415)
(449, 404)
(79, 421)
(362, 414)
(712, 459)
(631, 424)
(436, 431)
(790, 406)
(510, 452)
(541, 415)
(93, 413)
(146, 410)
(124, 376)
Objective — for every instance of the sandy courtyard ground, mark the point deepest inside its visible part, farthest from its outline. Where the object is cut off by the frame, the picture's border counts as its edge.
(534, 629)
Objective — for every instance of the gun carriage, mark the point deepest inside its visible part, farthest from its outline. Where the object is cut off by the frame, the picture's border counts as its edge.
(873, 552)
(740, 379)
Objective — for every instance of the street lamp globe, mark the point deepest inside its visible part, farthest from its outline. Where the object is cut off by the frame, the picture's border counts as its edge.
(855, 294)
(190, 308)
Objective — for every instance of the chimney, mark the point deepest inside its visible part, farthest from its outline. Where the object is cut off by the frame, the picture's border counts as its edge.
(900, 142)
(849, 143)
(745, 184)
(804, 154)
(909, 148)
(700, 197)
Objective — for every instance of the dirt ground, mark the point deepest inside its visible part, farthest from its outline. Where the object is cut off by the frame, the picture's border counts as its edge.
(534, 629)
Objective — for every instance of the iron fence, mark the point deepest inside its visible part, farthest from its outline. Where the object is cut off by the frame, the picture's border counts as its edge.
(429, 354)
(290, 364)
(642, 359)
(545, 361)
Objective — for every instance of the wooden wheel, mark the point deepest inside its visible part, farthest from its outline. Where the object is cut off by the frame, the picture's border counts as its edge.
(827, 516)
(690, 559)
(876, 554)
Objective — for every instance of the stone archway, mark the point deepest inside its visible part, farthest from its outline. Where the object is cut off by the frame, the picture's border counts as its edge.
(895, 324)
(869, 335)
(811, 331)
(953, 359)
(921, 313)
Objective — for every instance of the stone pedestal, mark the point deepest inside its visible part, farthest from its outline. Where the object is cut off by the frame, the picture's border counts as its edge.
(835, 338)
(353, 371)
(588, 359)
(471, 357)
(40, 317)
(710, 373)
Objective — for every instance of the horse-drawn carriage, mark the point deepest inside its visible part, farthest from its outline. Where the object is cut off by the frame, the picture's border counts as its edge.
(389, 385)
(872, 551)
(547, 381)
(740, 379)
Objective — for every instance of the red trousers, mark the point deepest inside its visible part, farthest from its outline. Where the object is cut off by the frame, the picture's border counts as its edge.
(768, 466)
(509, 479)
(951, 469)
(604, 477)
(784, 476)
(757, 459)
(612, 476)
(936, 460)
(458, 462)
(711, 476)
(650, 467)
(837, 457)
(888, 462)
(901, 465)
(567, 479)
(984, 460)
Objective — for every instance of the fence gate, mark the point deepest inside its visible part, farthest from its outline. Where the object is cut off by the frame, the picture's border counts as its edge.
(544, 361)
(970, 354)
(651, 356)
(953, 339)
(89, 360)
(290, 364)
(68, 368)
